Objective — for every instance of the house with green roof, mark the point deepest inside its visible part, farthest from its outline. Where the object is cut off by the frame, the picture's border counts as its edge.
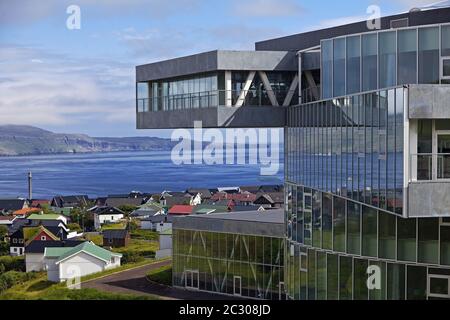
(63, 264)
(46, 217)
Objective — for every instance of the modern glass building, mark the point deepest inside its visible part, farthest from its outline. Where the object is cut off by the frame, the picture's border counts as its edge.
(238, 254)
(367, 154)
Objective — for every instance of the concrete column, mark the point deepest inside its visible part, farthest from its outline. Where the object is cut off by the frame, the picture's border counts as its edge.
(290, 94)
(228, 89)
(270, 93)
(244, 91)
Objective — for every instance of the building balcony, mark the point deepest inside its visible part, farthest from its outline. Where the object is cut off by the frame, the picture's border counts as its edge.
(216, 109)
(429, 188)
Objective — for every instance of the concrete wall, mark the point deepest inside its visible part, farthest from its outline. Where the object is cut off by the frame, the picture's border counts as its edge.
(106, 218)
(34, 262)
(429, 199)
(429, 101)
(218, 61)
(215, 117)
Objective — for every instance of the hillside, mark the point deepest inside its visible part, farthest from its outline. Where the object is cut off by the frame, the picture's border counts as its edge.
(28, 140)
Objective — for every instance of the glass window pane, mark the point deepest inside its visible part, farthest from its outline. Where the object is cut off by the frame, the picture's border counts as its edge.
(353, 64)
(327, 221)
(321, 276)
(369, 232)
(332, 277)
(379, 294)
(407, 56)
(311, 275)
(353, 228)
(387, 229)
(417, 283)
(445, 41)
(428, 240)
(369, 61)
(407, 246)
(387, 56)
(339, 224)
(339, 67)
(429, 55)
(345, 278)
(445, 245)
(395, 281)
(327, 69)
(360, 279)
(317, 221)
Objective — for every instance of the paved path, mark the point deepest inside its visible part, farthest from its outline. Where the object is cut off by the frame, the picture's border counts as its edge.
(134, 281)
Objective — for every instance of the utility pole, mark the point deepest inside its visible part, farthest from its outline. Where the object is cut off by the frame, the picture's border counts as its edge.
(30, 186)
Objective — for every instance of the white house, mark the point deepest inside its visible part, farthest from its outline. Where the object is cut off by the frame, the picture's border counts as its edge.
(165, 245)
(196, 200)
(104, 215)
(63, 264)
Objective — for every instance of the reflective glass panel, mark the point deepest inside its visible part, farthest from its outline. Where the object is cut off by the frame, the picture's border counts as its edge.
(429, 55)
(387, 55)
(369, 62)
(353, 64)
(407, 56)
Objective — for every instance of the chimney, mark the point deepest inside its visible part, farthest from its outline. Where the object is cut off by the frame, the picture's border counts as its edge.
(30, 186)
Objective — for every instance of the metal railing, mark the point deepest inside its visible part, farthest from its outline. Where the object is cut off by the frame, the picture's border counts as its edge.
(213, 98)
(430, 167)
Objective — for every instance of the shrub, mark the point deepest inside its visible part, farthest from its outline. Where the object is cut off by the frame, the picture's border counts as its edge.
(74, 227)
(12, 263)
(131, 257)
(12, 278)
(3, 232)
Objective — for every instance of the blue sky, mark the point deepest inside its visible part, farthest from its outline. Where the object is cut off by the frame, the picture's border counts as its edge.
(82, 81)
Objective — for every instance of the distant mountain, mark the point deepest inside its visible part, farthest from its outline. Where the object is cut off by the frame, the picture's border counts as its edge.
(28, 140)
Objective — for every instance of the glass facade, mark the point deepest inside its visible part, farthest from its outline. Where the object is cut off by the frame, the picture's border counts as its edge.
(352, 147)
(384, 59)
(363, 237)
(208, 90)
(234, 264)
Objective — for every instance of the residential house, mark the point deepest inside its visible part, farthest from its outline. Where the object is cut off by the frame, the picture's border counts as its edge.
(104, 215)
(7, 220)
(116, 238)
(210, 209)
(271, 188)
(63, 264)
(23, 213)
(240, 199)
(158, 222)
(170, 199)
(48, 217)
(18, 239)
(147, 210)
(34, 252)
(229, 190)
(36, 203)
(11, 205)
(205, 194)
(118, 202)
(181, 210)
(165, 245)
(70, 201)
(270, 200)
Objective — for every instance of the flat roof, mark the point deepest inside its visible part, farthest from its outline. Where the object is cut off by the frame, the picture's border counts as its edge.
(259, 223)
(309, 39)
(218, 60)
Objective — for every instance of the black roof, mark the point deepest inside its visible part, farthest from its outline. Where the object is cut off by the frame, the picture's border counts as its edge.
(310, 39)
(20, 223)
(76, 200)
(115, 233)
(12, 204)
(107, 210)
(160, 218)
(39, 246)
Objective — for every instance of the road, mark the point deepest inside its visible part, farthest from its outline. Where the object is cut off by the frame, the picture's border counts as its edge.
(134, 281)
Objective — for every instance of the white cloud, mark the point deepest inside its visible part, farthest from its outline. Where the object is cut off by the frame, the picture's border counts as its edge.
(59, 91)
(267, 8)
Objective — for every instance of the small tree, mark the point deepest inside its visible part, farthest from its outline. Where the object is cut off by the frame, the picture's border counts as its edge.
(3, 232)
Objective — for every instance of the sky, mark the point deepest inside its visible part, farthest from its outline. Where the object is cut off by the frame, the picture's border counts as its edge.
(83, 81)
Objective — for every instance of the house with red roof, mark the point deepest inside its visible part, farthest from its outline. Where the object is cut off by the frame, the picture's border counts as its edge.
(181, 210)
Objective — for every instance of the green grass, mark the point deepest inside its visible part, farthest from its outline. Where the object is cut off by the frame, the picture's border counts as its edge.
(41, 289)
(139, 247)
(114, 226)
(144, 235)
(96, 239)
(162, 275)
